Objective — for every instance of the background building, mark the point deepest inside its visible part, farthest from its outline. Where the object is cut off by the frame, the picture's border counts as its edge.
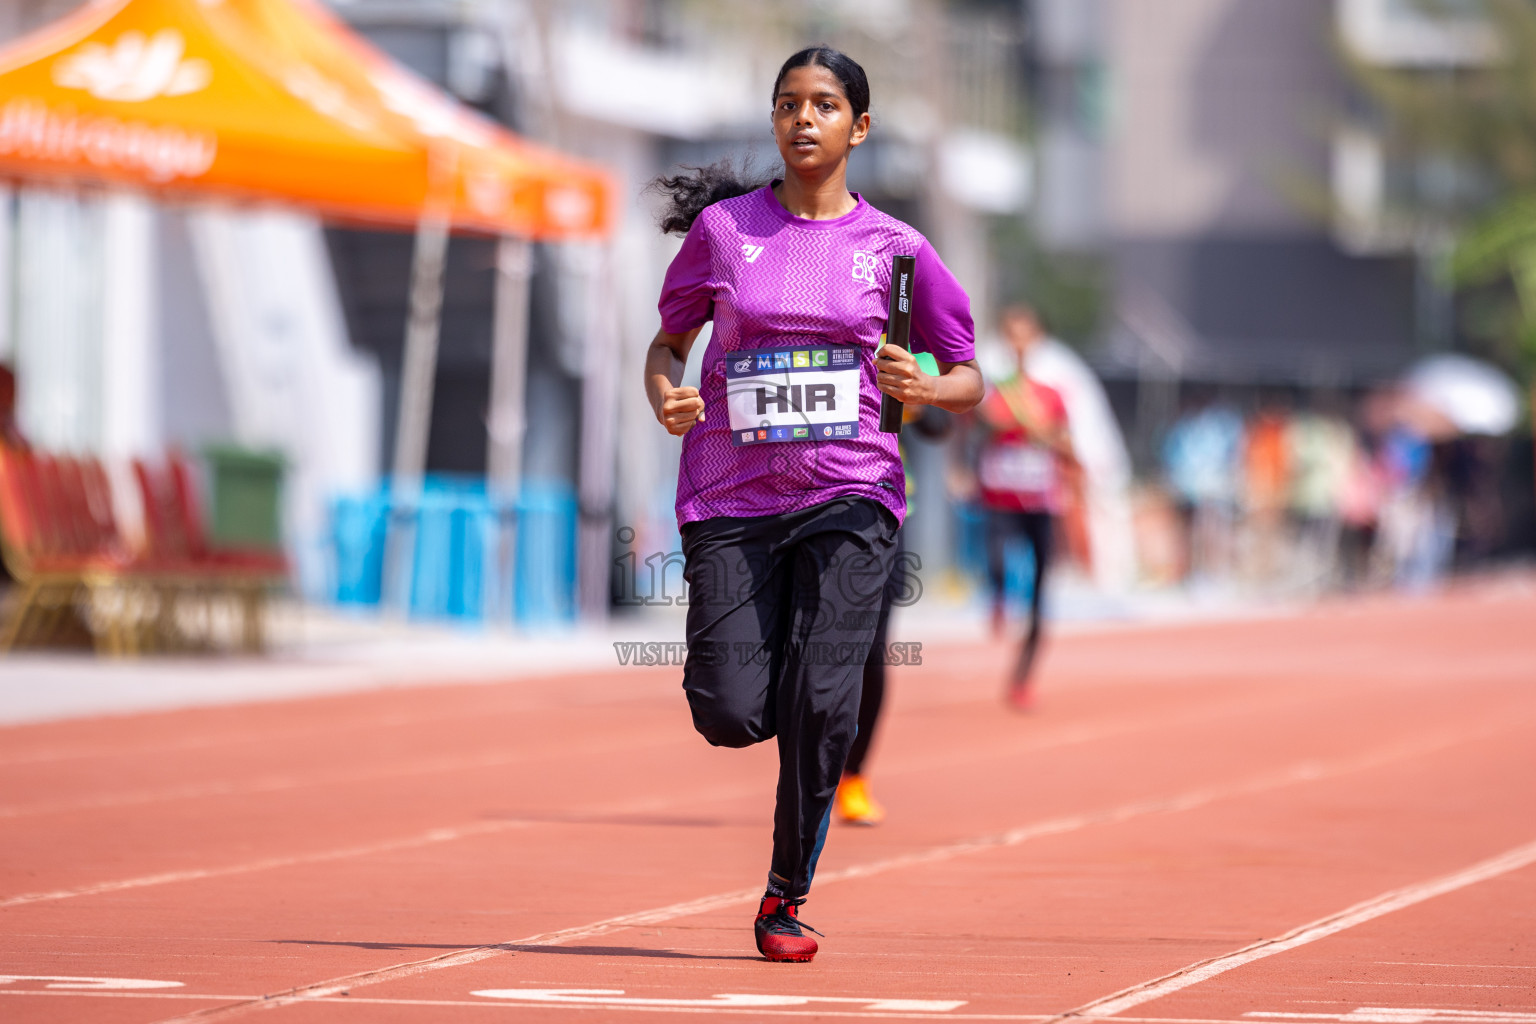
(1192, 191)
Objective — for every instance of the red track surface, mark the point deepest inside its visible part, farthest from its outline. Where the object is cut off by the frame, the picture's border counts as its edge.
(1181, 794)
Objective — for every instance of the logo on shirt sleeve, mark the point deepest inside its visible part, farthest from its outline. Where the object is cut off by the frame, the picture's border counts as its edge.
(751, 252)
(864, 267)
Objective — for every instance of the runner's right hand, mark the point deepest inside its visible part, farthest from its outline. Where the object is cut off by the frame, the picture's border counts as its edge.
(680, 409)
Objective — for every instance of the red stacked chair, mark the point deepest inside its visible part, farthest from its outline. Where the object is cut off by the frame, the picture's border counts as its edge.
(60, 539)
(60, 546)
(178, 549)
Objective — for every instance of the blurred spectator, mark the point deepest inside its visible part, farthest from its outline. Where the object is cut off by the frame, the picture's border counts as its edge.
(1200, 457)
(1416, 533)
(1266, 491)
(10, 432)
(1472, 484)
(1359, 511)
(1321, 448)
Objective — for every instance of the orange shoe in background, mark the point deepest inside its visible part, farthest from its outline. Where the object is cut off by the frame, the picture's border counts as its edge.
(854, 805)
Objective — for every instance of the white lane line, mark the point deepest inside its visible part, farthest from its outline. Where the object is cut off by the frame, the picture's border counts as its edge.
(122, 995)
(1088, 732)
(246, 737)
(491, 1004)
(1305, 771)
(281, 783)
(436, 835)
(1067, 737)
(1033, 1018)
(755, 1011)
(427, 838)
(89, 984)
(618, 999)
(1360, 913)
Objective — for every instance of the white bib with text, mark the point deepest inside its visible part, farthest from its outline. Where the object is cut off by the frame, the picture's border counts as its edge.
(793, 394)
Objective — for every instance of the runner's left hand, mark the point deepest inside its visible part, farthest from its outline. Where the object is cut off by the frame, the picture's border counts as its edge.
(899, 376)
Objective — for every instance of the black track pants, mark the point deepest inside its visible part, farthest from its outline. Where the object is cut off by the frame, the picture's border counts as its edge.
(1036, 527)
(781, 614)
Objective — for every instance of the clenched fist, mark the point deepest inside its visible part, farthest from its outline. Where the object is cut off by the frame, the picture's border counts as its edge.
(680, 409)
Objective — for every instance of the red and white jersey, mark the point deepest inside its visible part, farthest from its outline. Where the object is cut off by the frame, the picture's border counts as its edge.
(1018, 470)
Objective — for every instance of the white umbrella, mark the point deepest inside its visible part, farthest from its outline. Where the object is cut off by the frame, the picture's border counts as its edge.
(1475, 397)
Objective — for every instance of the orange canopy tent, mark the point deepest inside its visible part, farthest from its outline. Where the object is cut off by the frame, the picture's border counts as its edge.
(272, 99)
(262, 100)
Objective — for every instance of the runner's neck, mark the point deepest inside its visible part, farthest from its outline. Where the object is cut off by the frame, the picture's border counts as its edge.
(826, 199)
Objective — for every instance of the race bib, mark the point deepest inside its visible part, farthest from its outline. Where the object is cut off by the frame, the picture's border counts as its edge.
(1017, 469)
(793, 394)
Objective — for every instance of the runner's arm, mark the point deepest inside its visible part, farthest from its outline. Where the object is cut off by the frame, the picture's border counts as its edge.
(676, 408)
(957, 388)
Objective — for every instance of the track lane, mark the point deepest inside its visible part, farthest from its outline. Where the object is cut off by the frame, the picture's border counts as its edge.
(1075, 915)
(947, 764)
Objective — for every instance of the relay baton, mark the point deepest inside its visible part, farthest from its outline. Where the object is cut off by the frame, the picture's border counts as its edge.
(898, 331)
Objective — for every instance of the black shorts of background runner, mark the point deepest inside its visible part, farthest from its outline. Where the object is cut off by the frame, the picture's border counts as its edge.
(1036, 527)
(781, 613)
(872, 689)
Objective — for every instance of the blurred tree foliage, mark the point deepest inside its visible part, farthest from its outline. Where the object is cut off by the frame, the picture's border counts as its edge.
(1069, 289)
(1481, 117)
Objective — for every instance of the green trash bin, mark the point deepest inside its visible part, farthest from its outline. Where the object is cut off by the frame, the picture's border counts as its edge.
(246, 488)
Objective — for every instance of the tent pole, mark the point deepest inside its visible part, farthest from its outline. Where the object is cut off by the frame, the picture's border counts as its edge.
(413, 425)
(508, 420)
(599, 441)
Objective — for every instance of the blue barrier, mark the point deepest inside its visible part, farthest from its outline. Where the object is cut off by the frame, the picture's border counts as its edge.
(357, 544)
(545, 591)
(457, 571)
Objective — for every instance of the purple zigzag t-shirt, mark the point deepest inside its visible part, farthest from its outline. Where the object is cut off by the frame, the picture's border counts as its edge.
(774, 281)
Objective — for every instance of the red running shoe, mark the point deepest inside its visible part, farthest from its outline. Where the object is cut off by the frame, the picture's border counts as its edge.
(1021, 696)
(779, 935)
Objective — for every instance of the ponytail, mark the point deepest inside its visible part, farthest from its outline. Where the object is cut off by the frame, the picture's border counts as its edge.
(697, 187)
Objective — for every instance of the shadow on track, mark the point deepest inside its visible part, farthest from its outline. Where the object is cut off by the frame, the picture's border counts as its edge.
(634, 951)
(642, 820)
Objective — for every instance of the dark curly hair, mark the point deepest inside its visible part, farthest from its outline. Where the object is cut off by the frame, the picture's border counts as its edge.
(697, 187)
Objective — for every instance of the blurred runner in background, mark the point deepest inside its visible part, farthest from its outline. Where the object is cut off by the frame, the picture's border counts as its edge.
(1021, 473)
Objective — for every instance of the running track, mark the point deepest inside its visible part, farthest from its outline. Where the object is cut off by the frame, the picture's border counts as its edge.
(1322, 818)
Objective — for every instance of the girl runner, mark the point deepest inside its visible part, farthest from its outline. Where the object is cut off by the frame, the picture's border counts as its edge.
(789, 496)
